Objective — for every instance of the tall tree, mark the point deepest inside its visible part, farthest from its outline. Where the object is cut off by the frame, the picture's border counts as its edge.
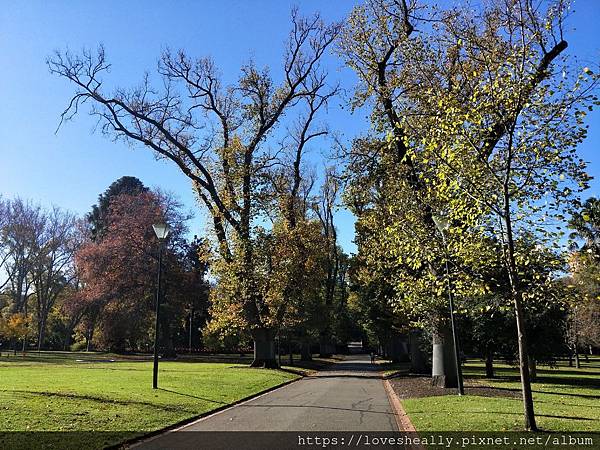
(585, 224)
(514, 111)
(380, 44)
(118, 271)
(51, 270)
(4, 248)
(325, 210)
(23, 223)
(585, 277)
(223, 165)
(98, 216)
(479, 123)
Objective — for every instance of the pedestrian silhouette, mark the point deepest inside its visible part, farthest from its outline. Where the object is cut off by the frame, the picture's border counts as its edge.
(372, 357)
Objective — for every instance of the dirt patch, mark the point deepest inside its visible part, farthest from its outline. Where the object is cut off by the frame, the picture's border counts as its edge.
(417, 387)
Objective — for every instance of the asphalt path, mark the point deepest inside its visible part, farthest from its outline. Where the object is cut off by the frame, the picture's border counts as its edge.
(350, 396)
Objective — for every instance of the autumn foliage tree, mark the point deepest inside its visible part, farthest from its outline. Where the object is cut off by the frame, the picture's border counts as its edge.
(224, 164)
(118, 271)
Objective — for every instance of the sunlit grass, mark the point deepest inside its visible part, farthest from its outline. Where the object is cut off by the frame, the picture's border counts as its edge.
(56, 393)
(565, 398)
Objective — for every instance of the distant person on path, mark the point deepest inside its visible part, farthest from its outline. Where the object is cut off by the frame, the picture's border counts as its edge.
(372, 357)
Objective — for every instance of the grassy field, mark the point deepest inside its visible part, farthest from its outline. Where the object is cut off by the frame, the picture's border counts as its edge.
(86, 392)
(566, 400)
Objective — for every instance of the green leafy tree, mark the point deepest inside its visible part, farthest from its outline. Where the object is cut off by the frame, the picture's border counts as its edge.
(522, 170)
(585, 277)
(482, 118)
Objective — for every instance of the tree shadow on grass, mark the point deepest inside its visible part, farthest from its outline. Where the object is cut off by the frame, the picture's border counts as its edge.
(96, 399)
(118, 369)
(193, 396)
(593, 383)
(568, 394)
(497, 377)
(548, 377)
(537, 391)
(597, 406)
(551, 416)
(561, 371)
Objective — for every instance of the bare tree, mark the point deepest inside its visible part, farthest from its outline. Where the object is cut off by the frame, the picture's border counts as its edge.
(4, 248)
(23, 223)
(325, 210)
(216, 135)
(52, 267)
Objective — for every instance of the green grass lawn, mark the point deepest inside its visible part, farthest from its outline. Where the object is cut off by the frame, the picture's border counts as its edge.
(566, 400)
(54, 392)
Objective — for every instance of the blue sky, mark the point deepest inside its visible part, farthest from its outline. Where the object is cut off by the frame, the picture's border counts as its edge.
(71, 168)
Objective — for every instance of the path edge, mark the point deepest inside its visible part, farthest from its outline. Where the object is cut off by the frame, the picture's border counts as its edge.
(146, 437)
(402, 419)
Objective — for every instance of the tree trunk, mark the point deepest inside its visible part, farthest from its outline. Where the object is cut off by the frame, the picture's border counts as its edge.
(521, 334)
(418, 359)
(190, 330)
(41, 334)
(397, 350)
(443, 373)
(532, 368)
(576, 350)
(305, 353)
(67, 340)
(326, 346)
(291, 349)
(489, 364)
(264, 349)
(279, 351)
(88, 337)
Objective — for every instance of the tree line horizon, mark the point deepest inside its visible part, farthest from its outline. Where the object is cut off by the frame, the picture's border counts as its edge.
(476, 116)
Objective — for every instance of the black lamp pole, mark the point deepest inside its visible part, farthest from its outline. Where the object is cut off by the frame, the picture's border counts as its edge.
(158, 291)
(441, 225)
(162, 231)
(459, 377)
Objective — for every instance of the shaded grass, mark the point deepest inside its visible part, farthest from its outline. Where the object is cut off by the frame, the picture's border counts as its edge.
(56, 393)
(390, 369)
(566, 399)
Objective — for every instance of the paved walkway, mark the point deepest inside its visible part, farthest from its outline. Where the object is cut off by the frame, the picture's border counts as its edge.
(348, 397)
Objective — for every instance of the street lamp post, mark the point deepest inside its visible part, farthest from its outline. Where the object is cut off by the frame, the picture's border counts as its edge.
(441, 224)
(162, 231)
(190, 335)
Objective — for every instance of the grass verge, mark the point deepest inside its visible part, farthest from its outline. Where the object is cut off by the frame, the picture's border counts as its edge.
(566, 400)
(102, 403)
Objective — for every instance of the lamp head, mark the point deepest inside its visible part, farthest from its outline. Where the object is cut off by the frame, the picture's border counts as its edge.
(161, 230)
